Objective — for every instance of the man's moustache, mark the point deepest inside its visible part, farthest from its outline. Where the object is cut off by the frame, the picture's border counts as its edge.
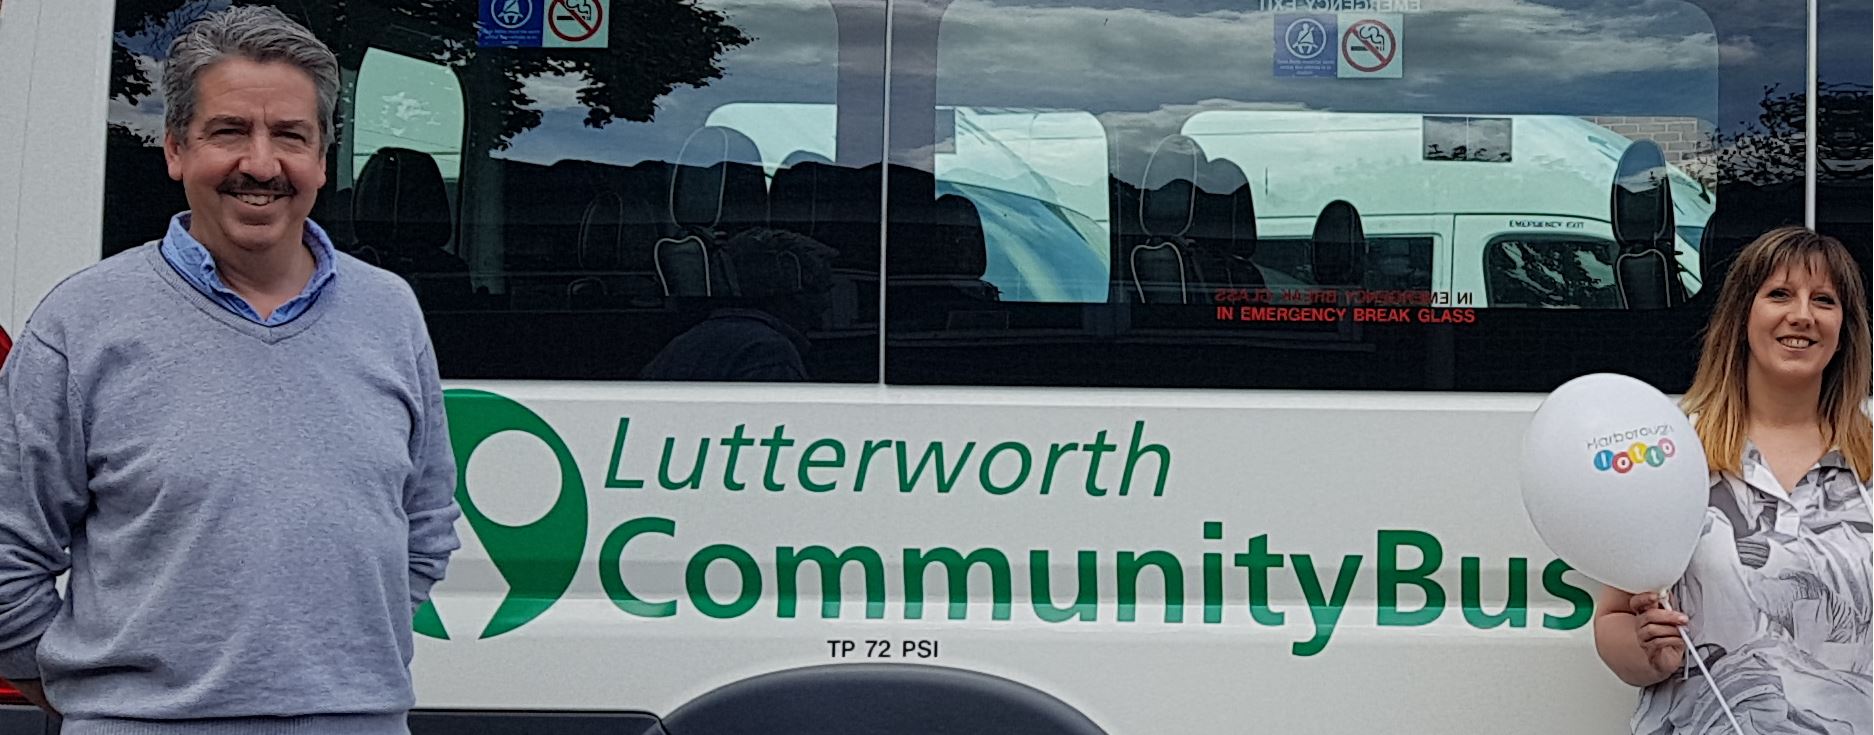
(250, 186)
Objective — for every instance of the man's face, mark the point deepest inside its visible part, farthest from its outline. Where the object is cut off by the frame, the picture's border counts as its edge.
(253, 160)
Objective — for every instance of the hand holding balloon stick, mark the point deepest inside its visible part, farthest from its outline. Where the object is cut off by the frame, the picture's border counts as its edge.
(1615, 482)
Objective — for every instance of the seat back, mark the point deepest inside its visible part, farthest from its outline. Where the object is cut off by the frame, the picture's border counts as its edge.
(717, 190)
(1160, 268)
(401, 219)
(1339, 249)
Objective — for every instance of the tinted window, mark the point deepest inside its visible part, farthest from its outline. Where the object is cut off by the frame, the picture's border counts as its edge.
(1095, 192)
(1552, 273)
(1438, 195)
(695, 198)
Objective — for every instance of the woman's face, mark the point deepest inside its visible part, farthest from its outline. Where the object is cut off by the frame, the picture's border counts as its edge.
(1795, 325)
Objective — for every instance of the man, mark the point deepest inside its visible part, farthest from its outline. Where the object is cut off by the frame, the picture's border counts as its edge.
(233, 438)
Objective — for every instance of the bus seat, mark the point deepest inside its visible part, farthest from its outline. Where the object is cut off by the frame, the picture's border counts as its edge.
(1160, 261)
(401, 212)
(1339, 251)
(1645, 279)
(942, 250)
(717, 189)
(1224, 227)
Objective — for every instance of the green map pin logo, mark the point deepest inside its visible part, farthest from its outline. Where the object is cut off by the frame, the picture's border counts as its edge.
(538, 560)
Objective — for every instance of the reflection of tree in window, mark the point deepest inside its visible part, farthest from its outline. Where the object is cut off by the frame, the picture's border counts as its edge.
(686, 42)
(1769, 150)
(1552, 274)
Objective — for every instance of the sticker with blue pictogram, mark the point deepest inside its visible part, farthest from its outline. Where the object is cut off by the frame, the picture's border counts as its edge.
(1305, 45)
(511, 23)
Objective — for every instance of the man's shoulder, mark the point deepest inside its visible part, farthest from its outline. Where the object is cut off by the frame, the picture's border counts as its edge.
(379, 301)
(100, 289)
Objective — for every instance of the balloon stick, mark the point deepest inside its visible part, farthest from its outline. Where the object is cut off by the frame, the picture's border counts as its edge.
(1692, 650)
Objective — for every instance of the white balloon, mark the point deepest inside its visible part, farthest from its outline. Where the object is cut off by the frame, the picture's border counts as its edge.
(1615, 481)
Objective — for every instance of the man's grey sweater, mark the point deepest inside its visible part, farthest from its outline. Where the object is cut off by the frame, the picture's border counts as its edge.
(249, 514)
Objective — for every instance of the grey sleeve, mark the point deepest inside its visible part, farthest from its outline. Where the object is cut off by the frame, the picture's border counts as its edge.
(43, 495)
(429, 493)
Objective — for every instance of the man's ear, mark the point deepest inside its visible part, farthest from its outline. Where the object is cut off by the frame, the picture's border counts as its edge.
(322, 168)
(172, 154)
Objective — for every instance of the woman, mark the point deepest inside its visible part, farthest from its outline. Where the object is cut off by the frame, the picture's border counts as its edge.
(1777, 595)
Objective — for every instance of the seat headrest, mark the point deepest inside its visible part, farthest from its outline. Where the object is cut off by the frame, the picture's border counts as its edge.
(797, 196)
(1226, 213)
(799, 157)
(1339, 246)
(718, 181)
(612, 227)
(1168, 187)
(400, 202)
(953, 244)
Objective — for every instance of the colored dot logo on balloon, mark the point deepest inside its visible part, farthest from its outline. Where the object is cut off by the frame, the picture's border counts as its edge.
(1655, 456)
(1639, 454)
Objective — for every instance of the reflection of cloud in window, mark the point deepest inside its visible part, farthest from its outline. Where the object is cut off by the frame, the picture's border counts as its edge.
(792, 40)
(554, 91)
(1487, 55)
(402, 108)
(1137, 133)
(153, 40)
(146, 116)
(791, 59)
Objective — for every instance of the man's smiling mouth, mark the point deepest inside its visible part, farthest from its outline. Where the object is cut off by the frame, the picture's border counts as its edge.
(258, 200)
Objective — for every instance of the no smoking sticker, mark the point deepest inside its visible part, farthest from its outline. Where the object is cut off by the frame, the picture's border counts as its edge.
(576, 24)
(543, 24)
(1371, 46)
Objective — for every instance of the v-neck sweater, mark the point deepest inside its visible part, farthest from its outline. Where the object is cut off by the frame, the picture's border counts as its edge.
(250, 514)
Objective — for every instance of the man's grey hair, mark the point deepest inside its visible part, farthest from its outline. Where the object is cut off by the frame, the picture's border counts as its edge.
(256, 33)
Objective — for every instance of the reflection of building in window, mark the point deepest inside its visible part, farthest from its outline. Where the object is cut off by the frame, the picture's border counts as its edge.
(1553, 274)
(1686, 141)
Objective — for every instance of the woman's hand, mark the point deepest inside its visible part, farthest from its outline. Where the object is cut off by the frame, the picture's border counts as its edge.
(1658, 631)
(1637, 637)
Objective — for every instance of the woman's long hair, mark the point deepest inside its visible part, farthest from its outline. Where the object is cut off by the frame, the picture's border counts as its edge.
(1717, 396)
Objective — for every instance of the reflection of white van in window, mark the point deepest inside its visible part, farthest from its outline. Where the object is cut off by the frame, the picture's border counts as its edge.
(1524, 224)
(1544, 186)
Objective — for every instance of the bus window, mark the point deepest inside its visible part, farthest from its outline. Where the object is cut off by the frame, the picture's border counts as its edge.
(697, 201)
(1046, 233)
(1234, 183)
(409, 103)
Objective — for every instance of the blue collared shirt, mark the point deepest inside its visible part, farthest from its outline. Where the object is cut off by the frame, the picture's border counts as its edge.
(191, 259)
